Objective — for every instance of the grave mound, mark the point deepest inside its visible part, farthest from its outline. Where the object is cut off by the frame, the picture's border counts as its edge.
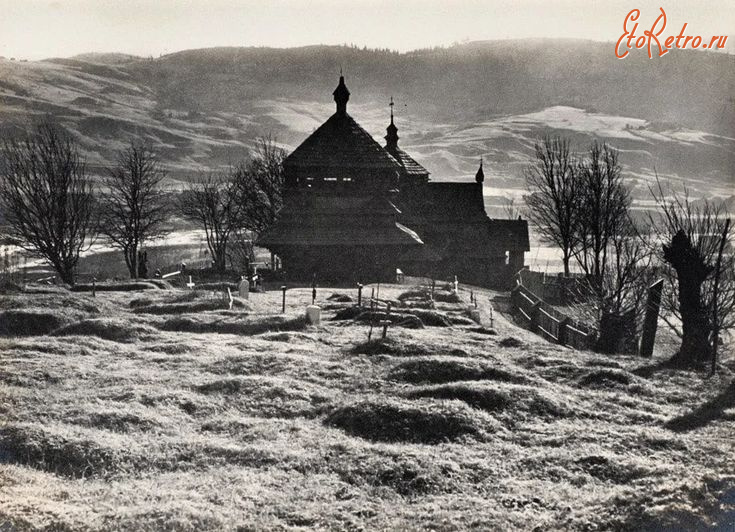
(605, 378)
(340, 298)
(29, 322)
(113, 329)
(131, 286)
(64, 453)
(415, 422)
(204, 324)
(394, 347)
(443, 370)
(511, 341)
(516, 401)
(202, 305)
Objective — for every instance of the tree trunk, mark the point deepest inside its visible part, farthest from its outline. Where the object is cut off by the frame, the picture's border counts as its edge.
(565, 259)
(691, 272)
(220, 259)
(65, 272)
(695, 347)
(131, 254)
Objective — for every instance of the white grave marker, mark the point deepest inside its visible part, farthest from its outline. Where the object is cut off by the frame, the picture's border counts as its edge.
(313, 314)
(244, 288)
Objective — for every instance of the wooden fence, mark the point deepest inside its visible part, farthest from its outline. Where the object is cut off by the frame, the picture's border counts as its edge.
(555, 289)
(546, 321)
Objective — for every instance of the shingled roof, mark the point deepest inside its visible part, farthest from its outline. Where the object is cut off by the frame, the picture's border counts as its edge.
(315, 220)
(341, 142)
(510, 234)
(410, 166)
(439, 202)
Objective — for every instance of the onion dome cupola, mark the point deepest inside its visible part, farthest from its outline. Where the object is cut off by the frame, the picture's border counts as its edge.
(341, 95)
(391, 139)
(480, 175)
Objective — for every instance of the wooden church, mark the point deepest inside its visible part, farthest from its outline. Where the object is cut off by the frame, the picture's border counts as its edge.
(355, 211)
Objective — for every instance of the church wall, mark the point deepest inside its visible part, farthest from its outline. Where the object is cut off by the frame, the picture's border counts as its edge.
(363, 264)
(344, 178)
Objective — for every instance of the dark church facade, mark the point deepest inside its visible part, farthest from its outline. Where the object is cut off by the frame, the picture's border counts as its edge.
(355, 211)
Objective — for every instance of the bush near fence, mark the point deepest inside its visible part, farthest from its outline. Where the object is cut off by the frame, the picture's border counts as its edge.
(545, 320)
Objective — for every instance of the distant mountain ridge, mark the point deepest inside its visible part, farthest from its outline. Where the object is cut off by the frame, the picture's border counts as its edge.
(203, 108)
(690, 88)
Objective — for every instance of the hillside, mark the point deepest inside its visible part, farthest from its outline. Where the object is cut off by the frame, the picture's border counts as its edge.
(165, 410)
(203, 108)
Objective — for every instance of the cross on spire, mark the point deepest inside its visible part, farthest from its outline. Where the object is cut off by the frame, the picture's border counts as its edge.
(392, 137)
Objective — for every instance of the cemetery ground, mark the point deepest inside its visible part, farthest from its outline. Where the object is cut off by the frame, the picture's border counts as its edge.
(164, 409)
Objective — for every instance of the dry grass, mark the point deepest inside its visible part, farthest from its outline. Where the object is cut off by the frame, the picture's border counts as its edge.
(163, 410)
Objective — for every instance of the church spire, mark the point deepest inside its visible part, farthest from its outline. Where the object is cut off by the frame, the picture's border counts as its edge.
(341, 95)
(480, 175)
(391, 139)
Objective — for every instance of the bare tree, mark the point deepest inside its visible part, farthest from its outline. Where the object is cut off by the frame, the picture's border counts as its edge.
(692, 236)
(511, 209)
(603, 212)
(238, 204)
(553, 195)
(260, 182)
(134, 207)
(213, 202)
(46, 197)
(620, 290)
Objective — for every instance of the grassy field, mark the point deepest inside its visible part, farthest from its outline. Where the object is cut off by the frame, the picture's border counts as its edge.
(166, 410)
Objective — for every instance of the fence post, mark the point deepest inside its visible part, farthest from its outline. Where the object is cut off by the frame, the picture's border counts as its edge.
(359, 294)
(534, 315)
(387, 321)
(651, 320)
(563, 331)
(283, 306)
(94, 287)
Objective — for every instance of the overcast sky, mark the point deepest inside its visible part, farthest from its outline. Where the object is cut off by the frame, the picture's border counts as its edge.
(36, 29)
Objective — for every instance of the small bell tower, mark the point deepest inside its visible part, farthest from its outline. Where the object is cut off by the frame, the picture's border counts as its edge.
(341, 95)
(391, 139)
(480, 175)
